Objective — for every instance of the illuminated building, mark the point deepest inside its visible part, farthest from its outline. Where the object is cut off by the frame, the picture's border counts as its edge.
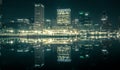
(84, 18)
(39, 16)
(27, 21)
(64, 16)
(48, 23)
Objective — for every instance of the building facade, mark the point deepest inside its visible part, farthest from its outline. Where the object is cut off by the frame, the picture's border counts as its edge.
(39, 16)
(63, 16)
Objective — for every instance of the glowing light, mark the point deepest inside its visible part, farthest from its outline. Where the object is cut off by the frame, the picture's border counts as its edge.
(82, 57)
(86, 14)
(11, 31)
(11, 42)
(87, 55)
(23, 31)
(81, 13)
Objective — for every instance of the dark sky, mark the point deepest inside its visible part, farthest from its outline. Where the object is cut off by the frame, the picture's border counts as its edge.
(0, 1)
(25, 8)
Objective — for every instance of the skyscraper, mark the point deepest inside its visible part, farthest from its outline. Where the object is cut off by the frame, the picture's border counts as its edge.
(63, 16)
(39, 16)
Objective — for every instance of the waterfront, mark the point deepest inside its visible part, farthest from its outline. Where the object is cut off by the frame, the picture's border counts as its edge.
(58, 53)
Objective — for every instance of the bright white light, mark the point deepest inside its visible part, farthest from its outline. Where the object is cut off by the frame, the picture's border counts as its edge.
(87, 55)
(86, 14)
(11, 31)
(11, 42)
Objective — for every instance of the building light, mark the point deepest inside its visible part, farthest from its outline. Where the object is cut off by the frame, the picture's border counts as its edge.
(81, 13)
(86, 14)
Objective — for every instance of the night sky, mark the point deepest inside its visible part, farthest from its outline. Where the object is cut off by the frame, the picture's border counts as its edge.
(25, 8)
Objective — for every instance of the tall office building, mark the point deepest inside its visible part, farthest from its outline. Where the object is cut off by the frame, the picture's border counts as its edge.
(63, 16)
(39, 15)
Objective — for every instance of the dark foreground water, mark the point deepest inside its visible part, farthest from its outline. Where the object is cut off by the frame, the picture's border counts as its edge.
(59, 53)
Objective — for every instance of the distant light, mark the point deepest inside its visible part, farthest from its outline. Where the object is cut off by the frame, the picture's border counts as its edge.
(48, 49)
(87, 55)
(81, 13)
(42, 5)
(103, 19)
(11, 31)
(11, 42)
(82, 57)
(48, 20)
(37, 5)
(37, 65)
(76, 49)
(105, 51)
(86, 14)
(26, 50)
(19, 50)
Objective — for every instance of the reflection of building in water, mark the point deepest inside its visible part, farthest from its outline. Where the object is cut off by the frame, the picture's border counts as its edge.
(50, 54)
(58, 41)
(39, 56)
(58, 51)
(12, 51)
(64, 53)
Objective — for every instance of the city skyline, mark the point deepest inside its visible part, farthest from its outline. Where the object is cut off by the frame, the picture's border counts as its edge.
(59, 34)
(94, 7)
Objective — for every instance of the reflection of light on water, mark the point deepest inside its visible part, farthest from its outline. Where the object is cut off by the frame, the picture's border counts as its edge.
(81, 57)
(19, 50)
(57, 41)
(76, 49)
(87, 55)
(22, 50)
(62, 45)
(12, 49)
(48, 49)
(104, 51)
(64, 54)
